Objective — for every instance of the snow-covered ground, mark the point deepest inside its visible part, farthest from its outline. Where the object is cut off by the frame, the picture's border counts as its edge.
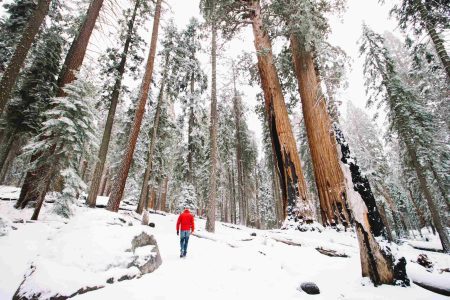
(230, 264)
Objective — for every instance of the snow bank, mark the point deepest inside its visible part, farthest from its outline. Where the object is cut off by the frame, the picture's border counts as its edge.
(95, 248)
(9, 192)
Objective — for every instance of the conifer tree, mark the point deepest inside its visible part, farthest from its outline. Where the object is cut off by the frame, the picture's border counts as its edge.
(21, 50)
(70, 124)
(119, 184)
(209, 10)
(11, 28)
(117, 69)
(23, 115)
(407, 117)
(71, 65)
(431, 17)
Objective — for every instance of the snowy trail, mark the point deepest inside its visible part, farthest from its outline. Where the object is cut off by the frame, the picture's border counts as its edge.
(212, 270)
(215, 270)
(230, 264)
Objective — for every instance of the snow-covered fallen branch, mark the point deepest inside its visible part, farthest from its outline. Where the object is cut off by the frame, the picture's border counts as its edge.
(286, 241)
(330, 252)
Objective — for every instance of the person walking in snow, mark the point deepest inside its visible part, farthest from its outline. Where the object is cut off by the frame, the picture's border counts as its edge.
(185, 222)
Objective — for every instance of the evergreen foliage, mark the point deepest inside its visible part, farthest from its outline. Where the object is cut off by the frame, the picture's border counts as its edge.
(69, 131)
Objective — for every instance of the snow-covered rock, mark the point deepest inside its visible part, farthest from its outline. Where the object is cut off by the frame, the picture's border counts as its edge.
(94, 249)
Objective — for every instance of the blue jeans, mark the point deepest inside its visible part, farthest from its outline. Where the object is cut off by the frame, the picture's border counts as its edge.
(184, 239)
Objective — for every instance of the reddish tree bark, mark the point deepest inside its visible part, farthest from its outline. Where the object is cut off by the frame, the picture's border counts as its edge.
(296, 202)
(119, 184)
(11, 73)
(96, 178)
(327, 172)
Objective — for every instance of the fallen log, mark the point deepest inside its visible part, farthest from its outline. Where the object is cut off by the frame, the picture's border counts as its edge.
(231, 226)
(287, 242)
(331, 253)
(432, 288)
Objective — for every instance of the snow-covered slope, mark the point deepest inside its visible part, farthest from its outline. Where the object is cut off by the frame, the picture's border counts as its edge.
(230, 264)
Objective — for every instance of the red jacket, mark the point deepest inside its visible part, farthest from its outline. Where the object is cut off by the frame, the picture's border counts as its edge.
(186, 220)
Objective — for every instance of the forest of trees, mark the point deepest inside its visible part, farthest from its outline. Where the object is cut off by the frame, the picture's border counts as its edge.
(79, 128)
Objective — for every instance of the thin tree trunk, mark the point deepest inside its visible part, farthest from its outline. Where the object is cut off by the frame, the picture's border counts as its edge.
(278, 200)
(108, 186)
(164, 194)
(327, 171)
(237, 122)
(40, 201)
(211, 209)
(190, 130)
(434, 211)
(382, 211)
(397, 215)
(101, 191)
(119, 184)
(11, 73)
(98, 171)
(258, 213)
(13, 153)
(153, 198)
(437, 40)
(296, 202)
(233, 196)
(419, 212)
(5, 148)
(153, 140)
(440, 185)
(84, 168)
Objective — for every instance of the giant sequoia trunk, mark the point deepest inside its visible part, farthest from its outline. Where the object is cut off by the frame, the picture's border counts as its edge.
(153, 140)
(296, 203)
(73, 62)
(327, 172)
(122, 174)
(20, 53)
(377, 262)
(96, 178)
(211, 209)
(434, 210)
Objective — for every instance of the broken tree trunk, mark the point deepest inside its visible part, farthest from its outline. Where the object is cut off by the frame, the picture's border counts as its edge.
(377, 262)
(296, 202)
